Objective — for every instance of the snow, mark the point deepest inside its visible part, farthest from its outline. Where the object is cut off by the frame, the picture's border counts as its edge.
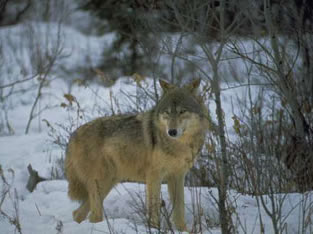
(49, 210)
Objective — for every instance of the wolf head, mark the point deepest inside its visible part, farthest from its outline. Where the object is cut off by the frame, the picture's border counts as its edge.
(179, 111)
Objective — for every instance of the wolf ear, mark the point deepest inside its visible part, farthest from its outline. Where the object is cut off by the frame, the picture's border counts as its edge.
(166, 86)
(193, 86)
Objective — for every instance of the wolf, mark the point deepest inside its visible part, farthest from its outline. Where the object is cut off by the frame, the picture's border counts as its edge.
(151, 147)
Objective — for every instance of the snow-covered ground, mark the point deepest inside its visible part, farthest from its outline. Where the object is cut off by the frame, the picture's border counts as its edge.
(49, 210)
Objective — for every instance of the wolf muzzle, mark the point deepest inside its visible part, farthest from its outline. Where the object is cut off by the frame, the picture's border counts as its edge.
(172, 132)
(175, 132)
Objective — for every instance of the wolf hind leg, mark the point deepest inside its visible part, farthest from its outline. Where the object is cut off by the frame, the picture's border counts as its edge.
(98, 190)
(77, 191)
(81, 213)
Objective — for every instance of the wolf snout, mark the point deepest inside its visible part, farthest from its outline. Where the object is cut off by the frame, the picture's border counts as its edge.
(172, 132)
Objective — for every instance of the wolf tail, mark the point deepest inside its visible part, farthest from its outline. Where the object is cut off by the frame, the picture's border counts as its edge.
(76, 189)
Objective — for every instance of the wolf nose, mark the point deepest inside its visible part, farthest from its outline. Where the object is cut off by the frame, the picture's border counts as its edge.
(172, 132)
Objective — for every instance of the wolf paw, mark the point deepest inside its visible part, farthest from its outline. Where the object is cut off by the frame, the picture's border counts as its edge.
(182, 227)
(95, 218)
(79, 216)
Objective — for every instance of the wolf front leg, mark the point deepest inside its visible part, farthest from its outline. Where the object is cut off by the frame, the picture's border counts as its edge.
(176, 191)
(153, 190)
